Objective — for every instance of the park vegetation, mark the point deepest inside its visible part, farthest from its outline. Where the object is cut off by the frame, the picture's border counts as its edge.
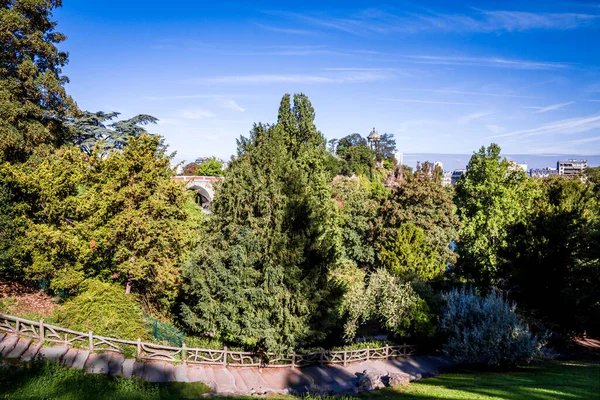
(306, 245)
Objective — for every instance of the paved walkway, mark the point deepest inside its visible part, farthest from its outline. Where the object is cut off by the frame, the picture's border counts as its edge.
(232, 380)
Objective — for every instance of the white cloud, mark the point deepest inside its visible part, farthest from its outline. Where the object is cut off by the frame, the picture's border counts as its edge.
(353, 77)
(550, 107)
(565, 126)
(427, 101)
(495, 128)
(232, 105)
(195, 114)
(285, 30)
(485, 62)
(448, 91)
(379, 21)
(473, 116)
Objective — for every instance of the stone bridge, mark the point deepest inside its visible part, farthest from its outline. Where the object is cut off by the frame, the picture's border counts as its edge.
(204, 185)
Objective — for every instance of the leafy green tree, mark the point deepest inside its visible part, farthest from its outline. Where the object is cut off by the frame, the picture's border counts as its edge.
(492, 196)
(91, 130)
(551, 266)
(410, 255)
(422, 201)
(356, 155)
(34, 101)
(387, 147)
(385, 299)
(356, 210)
(118, 217)
(210, 167)
(260, 278)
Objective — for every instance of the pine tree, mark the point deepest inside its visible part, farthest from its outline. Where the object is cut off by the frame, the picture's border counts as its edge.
(260, 278)
(32, 94)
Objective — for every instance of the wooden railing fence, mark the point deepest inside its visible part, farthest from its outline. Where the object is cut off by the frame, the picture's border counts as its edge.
(150, 351)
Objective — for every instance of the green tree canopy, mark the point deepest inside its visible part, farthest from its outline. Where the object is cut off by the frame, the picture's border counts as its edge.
(118, 217)
(492, 196)
(356, 156)
(260, 278)
(210, 167)
(34, 101)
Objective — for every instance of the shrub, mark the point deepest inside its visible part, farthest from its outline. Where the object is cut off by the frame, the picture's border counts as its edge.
(105, 309)
(486, 330)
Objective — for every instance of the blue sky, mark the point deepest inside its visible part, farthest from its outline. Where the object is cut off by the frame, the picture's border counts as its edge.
(442, 77)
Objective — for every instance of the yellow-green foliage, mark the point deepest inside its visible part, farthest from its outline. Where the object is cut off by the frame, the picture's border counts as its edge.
(105, 309)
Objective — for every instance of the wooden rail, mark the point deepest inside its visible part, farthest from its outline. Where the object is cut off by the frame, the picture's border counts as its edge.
(150, 351)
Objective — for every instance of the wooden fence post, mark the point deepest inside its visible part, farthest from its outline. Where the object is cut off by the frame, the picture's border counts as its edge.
(91, 340)
(345, 358)
(368, 353)
(17, 328)
(183, 353)
(139, 348)
(322, 356)
(41, 330)
(293, 360)
(224, 356)
(387, 351)
(404, 349)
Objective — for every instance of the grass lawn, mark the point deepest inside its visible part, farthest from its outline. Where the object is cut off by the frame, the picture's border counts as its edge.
(554, 380)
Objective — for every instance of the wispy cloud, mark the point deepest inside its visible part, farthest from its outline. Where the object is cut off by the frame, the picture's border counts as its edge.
(285, 30)
(551, 107)
(471, 117)
(232, 105)
(448, 91)
(485, 62)
(427, 101)
(495, 128)
(195, 114)
(565, 126)
(261, 79)
(380, 21)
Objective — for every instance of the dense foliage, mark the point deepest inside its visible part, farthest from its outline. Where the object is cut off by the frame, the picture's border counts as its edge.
(302, 247)
(119, 217)
(104, 309)
(260, 276)
(486, 330)
(34, 101)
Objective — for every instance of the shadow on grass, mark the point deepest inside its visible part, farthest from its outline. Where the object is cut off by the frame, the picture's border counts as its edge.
(48, 380)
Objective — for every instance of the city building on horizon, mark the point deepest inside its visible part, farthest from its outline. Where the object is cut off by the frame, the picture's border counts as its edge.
(542, 172)
(571, 167)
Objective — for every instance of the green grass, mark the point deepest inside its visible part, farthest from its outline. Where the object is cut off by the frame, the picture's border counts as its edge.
(554, 380)
(47, 380)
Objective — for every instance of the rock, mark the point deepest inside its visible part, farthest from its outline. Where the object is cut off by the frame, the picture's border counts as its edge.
(369, 380)
(397, 380)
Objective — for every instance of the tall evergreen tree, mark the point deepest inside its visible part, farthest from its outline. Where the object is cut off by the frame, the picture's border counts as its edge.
(260, 277)
(33, 101)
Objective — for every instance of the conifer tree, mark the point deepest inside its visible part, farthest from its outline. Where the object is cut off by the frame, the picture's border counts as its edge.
(32, 94)
(260, 278)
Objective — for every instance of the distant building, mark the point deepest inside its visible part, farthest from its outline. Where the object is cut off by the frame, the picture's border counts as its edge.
(400, 158)
(447, 178)
(571, 167)
(438, 164)
(200, 160)
(542, 172)
(456, 174)
(517, 165)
